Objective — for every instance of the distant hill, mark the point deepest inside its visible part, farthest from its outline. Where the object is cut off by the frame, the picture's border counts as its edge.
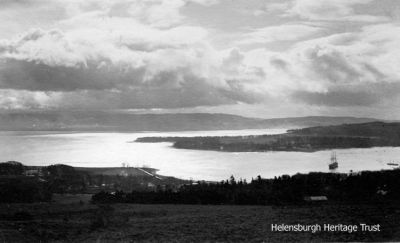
(314, 121)
(371, 129)
(113, 121)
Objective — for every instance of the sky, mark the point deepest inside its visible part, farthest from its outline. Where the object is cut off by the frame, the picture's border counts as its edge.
(257, 58)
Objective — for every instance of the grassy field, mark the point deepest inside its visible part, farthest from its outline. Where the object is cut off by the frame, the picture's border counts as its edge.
(79, 221)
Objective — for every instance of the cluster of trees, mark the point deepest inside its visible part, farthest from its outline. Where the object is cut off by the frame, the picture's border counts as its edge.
(16, 185)
(277, 143)
(11, 168)
(63, 178)
(363, 187)
(24, 190)
(319, 142)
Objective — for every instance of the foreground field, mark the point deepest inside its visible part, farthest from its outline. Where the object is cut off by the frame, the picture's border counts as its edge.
(84, 222)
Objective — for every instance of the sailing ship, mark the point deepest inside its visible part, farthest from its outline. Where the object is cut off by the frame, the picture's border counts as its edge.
(333, 165)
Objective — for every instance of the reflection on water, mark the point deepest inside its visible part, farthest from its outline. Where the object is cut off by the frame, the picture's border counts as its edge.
(112, 149)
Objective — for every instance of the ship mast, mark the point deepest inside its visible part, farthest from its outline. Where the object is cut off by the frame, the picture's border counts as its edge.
(333, 158)
(334, 164)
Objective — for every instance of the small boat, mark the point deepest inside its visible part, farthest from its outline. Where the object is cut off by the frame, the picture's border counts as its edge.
(393, 164)
(333, 165)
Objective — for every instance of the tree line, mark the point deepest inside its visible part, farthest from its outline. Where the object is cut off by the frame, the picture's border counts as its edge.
(365, 186)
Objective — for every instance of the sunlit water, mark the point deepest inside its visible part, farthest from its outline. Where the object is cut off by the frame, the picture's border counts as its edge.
(113, 149)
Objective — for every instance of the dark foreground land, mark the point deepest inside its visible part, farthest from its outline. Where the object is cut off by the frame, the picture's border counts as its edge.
(57, 204)
(364, 135)
(84, 222)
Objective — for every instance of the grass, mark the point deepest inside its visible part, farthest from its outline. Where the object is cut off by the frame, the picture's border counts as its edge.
(77, 222)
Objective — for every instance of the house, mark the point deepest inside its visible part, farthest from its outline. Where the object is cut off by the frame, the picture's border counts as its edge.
(315, 199)
(151, 186)
(123, 173)
(33, 172)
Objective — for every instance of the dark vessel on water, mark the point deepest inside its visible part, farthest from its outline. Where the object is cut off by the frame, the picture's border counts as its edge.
(333, 165)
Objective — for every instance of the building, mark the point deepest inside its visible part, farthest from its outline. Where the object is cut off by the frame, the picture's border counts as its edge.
(315, 199)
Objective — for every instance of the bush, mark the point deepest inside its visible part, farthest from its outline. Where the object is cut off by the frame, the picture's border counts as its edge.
(22, 216)
(102, 217)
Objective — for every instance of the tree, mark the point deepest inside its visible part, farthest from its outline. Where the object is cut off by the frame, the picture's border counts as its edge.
(232, 180)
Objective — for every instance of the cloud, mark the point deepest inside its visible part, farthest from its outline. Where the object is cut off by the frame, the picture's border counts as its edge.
(363, 95)
(271, 8)
(118, 62)
(158, 77)
(336, 98)
(339, 70)
(332, 10)
(48, 47)
(192, 93)
(288, 32)
(129, 54)
(349, 69)
(366, 56)
(280, 6)
(56, 61)
(17, 99)
(19, 16)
